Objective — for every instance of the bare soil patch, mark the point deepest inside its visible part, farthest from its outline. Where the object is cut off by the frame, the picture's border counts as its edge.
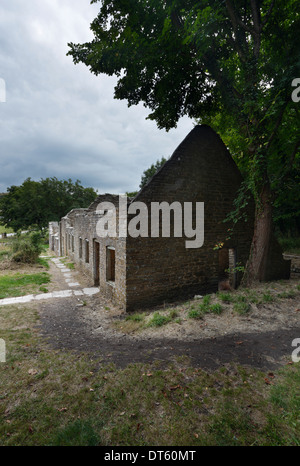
(261, 338)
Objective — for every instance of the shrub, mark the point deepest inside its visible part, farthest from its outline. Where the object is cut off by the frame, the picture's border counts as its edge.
(27, 248)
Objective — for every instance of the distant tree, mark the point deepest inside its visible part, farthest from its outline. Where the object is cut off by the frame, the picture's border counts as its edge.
(35, 203)
(147, 174)
(131, 194)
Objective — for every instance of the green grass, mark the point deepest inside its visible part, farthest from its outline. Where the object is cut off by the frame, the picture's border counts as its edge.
(195, 313)
(135, 317)
(59, 398)
(21, 284)
(239, 301)
(290, 245)
(215, 308)
(68, 264)
(44, 262)
(225, 297)
(267, 297)
(205, 307)
(241, 307)
(287, 294)
(206, 300)
(76, 433)
(56, 397)
(157, 320)
(4, 253)
(43, 289)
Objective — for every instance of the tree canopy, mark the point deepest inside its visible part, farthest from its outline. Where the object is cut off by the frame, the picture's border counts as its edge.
(226, 63)
(36, 203)
(147, 174)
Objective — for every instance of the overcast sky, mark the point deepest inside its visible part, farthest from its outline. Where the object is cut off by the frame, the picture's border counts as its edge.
(61, 120)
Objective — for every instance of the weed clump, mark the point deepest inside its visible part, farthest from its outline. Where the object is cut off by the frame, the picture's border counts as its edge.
(241, 307)
(204, 308)
(158, 320)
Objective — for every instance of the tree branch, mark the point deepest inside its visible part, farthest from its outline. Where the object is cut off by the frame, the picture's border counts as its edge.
(239, 33)
(279, 119)
(287, 171)
(257, 26)
(256, 16)
(235, 18)
(268, 14)
(176, 20)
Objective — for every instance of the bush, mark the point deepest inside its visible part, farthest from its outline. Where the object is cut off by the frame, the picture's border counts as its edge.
(27, 248)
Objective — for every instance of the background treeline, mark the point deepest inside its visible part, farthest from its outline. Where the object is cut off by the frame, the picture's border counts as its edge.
(35, 203)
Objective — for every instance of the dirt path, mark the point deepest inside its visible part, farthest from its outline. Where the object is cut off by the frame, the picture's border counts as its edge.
(262, 339)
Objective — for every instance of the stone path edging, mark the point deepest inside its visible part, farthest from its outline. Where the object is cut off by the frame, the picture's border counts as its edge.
(55, 294)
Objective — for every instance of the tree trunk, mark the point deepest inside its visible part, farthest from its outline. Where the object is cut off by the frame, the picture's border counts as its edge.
(256, 267)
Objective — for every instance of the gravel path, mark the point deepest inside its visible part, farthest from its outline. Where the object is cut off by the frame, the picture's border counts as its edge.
(85, 324)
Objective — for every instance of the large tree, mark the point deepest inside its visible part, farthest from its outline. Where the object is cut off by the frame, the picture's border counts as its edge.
(229, 63)
(35, 203)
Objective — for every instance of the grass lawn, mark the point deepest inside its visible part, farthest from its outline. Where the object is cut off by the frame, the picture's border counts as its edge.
(21, 284)
(55, 397)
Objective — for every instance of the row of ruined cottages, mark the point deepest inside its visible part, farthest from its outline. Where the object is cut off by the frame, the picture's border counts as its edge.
(143, 271)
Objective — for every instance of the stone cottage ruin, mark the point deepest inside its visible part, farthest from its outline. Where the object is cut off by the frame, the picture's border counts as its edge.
(138, 271)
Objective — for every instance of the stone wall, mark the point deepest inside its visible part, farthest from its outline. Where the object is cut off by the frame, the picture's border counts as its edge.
(159, 269)
(54, 237)
(295, 264)
(81, 243)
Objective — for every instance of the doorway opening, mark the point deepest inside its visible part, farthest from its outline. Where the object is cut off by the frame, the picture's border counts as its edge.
(110, 264)
(96, 263)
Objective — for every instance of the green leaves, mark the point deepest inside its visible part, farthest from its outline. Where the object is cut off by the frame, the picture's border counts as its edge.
(227, 64)
(35, 203)
(147, 174)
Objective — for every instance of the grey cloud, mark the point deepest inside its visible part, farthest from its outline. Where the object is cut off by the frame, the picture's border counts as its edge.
(59, 119)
